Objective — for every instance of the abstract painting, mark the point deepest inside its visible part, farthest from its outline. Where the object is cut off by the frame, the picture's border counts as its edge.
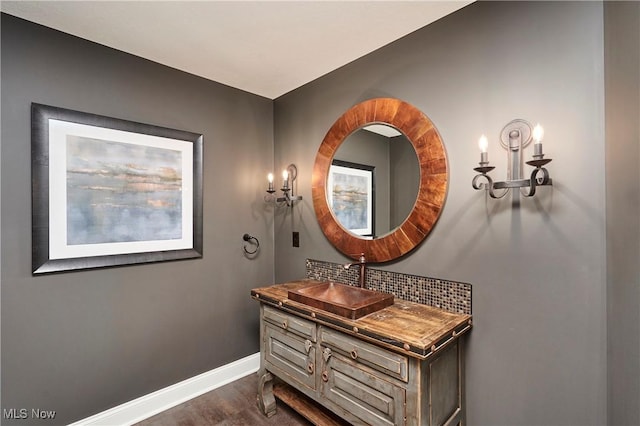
(110, 192)
(351, 196)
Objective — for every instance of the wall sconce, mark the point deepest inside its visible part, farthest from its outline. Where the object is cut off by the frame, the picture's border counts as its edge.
(514, 137)
(289, 175)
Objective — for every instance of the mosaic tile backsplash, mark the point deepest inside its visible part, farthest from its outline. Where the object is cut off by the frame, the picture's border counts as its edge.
(451, 296)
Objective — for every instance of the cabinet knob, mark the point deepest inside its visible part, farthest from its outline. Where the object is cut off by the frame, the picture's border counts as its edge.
(354, 354)
(307, 345)
(310, 368)
(285, 324)
(325, 376)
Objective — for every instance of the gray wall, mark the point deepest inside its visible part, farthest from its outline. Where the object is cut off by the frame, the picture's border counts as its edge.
(537, 353)
(82, 342)
(622, 88)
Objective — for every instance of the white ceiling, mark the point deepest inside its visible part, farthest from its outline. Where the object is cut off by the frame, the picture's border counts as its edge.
(264, 47)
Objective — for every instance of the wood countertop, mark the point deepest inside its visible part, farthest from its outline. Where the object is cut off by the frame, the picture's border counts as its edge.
(411, 328)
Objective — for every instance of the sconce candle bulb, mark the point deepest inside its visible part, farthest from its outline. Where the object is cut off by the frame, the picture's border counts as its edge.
(285, 179)
(538, 134)
(515, 136)
(483, 143)
(270, 179)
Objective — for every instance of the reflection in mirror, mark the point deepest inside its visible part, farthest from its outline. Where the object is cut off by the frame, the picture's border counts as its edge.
(373, 181)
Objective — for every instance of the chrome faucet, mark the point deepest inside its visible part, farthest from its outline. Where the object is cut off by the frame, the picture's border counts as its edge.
(362, 263)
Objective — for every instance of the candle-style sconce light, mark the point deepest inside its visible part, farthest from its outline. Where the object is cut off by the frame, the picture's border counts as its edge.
(289, 175)
(514, 137)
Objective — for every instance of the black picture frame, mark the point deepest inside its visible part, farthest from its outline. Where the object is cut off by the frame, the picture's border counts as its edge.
(364, 175)
(46, 161)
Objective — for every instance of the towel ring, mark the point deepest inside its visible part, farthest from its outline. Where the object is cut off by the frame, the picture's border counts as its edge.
(252, 240)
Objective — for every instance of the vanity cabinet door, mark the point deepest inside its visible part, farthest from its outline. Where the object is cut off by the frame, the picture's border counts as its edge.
(361, 396)
(290, 356)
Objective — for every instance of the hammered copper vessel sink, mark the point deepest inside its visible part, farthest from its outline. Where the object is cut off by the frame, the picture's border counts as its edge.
(340, 299)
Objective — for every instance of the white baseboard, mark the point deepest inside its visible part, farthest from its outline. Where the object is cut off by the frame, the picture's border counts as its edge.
(146, 406)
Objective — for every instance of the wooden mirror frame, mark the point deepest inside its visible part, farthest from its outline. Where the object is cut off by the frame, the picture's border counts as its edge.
(432, 192)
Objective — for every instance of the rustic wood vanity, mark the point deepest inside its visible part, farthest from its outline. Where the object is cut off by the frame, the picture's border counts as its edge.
(401, 365)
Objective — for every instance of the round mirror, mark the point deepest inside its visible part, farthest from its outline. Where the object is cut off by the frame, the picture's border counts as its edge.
(346, 187)
(373, 181)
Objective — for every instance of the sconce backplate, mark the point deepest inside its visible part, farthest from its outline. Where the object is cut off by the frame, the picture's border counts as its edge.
(518, 124)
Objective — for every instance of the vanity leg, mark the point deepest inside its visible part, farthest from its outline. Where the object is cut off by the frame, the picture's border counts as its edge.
(266, 400)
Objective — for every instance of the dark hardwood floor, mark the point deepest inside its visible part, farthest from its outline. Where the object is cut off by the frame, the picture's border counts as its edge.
(232, 404)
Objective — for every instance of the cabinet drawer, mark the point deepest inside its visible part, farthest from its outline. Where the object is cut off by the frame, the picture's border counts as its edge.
(290, 323)
(291, 354)
(387, 362)
(370, 399)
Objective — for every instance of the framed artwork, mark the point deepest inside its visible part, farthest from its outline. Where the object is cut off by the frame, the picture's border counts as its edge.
(351, 196)
(110, 192)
